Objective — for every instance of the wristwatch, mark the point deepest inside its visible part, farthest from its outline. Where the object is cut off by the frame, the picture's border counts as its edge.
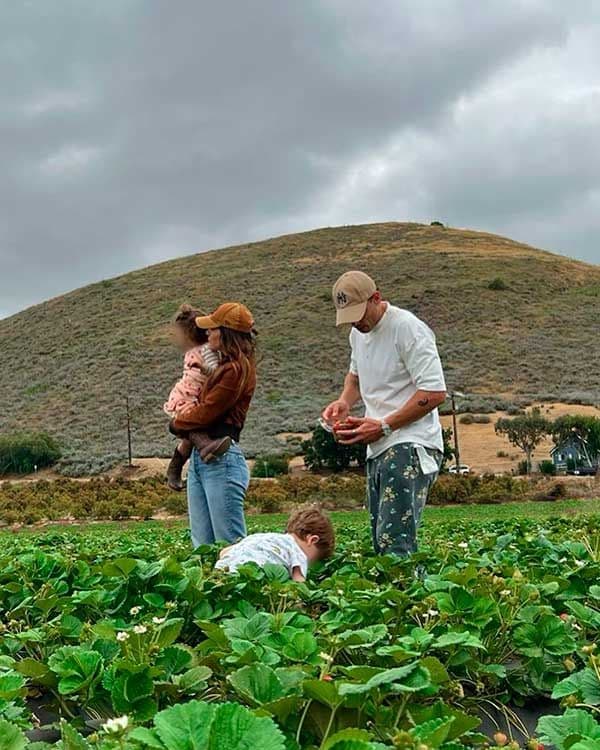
(386, 428)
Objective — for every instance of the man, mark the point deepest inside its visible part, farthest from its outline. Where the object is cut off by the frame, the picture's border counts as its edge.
(395, 369)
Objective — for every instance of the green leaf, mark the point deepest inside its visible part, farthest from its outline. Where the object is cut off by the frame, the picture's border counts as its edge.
(554, 730)
(77, 668)
(452, 638)
(120, 568)
(340, 740)
(585, 744)
(584, 683)
(146, 738)
(248, 629)
(433, 732)
(11, 737)
(585, 615)
(322, 692)
(202, 726)
(407, 679)
(301, 647)
(236, 728)
(194, 680)
(363, 637)
(71, 739)
(437, 671)
(168, 632)
(185, 726)
(12, 686)
(175, 659)
(257, 683)
(37, 671)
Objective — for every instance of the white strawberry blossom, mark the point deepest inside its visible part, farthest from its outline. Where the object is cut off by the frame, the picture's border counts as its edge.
(116, 725)
(505, 592)
(140, 629)
(135, 610)
(122, 636)
(159, 620)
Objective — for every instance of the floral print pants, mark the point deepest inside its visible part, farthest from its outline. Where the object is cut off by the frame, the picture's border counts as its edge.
(397, 490)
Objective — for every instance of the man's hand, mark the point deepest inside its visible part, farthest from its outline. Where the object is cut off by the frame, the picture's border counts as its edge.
(359, 430)
(337, 411)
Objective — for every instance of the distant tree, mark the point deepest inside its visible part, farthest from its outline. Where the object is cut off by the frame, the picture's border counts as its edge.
(498, 285)
(437, 224)
(22, 453)
(525, 432)
(585, 427)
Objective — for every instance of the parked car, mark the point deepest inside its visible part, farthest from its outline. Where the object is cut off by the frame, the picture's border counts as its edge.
(463, 469)
(584, 471)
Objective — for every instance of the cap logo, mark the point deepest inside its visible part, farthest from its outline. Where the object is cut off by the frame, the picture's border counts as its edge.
(341, 299)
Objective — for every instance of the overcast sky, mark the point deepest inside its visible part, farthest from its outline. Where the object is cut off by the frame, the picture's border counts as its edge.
(132, 131)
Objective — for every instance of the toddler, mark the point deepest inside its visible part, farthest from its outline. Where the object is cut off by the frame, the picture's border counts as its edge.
(198, 363)
(309, 537)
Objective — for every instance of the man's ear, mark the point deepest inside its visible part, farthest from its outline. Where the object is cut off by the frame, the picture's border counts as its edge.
(376, 296)
(313, 539)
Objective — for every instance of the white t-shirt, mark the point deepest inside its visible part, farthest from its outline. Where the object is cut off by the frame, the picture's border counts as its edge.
(393, 361)
(280, 549)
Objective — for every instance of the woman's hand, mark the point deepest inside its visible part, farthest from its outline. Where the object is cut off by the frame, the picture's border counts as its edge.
(363, 430)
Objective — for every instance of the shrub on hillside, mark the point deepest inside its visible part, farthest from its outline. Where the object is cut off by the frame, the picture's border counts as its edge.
(547, 467)
(270, 466)
(322, 451)
(451, 489)
(467, 419)
(266, 497)
(25, 452)
(498, 285)
(482, 419)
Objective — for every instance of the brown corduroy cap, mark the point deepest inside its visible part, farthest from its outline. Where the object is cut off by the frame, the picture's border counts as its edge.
(229, 315)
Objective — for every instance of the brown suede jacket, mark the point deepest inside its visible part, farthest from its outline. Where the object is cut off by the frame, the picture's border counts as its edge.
(223, 406)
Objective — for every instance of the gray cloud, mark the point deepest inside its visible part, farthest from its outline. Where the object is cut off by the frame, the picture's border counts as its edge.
(130, 133)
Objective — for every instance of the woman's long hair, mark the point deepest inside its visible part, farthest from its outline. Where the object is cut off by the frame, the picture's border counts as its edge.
(240, 349)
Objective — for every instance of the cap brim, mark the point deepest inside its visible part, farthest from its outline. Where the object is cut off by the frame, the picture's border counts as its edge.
(350, 314)
(206, 321)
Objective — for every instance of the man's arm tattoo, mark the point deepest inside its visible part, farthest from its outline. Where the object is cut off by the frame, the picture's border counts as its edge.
(423, 402)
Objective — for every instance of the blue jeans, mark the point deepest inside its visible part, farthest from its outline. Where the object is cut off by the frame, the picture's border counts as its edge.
(215, 494)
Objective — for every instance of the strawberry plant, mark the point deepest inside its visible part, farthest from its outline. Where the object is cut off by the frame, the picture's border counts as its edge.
(130, 640)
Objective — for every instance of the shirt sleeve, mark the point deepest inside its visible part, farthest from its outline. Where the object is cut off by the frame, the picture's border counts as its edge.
(296, 558)
(215, 401)
(210, 358)
(418, 350)
(353, 366)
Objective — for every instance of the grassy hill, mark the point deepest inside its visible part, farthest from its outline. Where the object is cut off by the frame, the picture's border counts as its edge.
(67, 365)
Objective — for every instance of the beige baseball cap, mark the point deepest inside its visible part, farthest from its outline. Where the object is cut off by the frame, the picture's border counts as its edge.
(350, 295)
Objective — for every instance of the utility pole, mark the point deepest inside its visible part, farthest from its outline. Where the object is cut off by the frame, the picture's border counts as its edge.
(129, 454)
(453, 396)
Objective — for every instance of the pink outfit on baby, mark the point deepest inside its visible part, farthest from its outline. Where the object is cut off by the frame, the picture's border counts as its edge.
(198, 363)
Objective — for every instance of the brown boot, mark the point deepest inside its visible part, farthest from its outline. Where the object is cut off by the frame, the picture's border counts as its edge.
(209, 448)
(174, 470)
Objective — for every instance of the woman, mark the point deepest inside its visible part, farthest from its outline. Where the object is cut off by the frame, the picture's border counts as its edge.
(216, 490)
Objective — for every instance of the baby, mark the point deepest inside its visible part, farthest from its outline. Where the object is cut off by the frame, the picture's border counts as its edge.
(198, 363)
(309, 537)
